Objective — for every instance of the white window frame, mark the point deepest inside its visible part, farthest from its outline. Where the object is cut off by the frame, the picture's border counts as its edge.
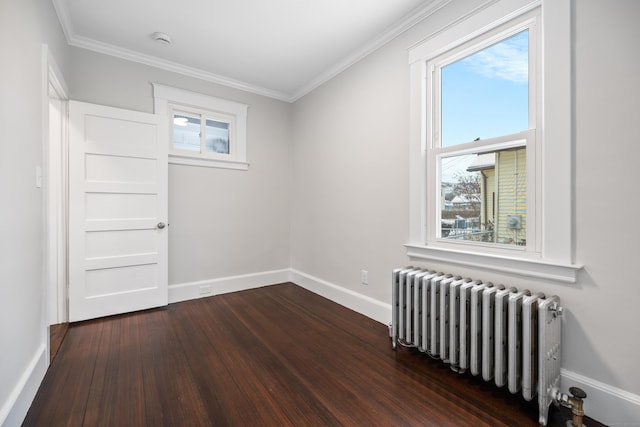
(550, 255)
(168, 99)
(527, 138)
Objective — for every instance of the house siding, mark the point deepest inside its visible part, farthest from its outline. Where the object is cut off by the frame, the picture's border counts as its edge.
(511, 194)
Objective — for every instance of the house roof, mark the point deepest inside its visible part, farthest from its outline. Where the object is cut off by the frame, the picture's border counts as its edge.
(483, 162)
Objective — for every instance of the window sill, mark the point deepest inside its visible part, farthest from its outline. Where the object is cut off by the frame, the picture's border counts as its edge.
(536, 268)
(175, 159)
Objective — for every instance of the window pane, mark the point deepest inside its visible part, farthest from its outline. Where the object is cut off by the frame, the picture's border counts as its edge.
(216, 137)
(186, 132)
(484, 197)
(486, 94)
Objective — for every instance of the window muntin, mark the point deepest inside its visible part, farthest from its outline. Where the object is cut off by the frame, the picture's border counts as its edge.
(481, 139)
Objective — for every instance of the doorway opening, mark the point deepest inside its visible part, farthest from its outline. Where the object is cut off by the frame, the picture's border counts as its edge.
(55, 161)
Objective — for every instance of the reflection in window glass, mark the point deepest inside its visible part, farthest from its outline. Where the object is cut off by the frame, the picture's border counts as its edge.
(486, 94)
(483, 197)
(216, 137)
(186, 132)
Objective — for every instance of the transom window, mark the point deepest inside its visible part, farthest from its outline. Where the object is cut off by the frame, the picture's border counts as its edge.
(203, 130)
(203, 133)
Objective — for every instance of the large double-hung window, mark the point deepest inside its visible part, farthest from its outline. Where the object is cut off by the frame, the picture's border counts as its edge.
(481, 140)
(491, 143)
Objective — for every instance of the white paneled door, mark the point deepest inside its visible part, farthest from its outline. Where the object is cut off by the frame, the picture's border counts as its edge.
(117, 211)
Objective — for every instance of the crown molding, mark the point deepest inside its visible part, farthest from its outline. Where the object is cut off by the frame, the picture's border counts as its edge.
(153, 61)
(130, 55)
(408, 21)
(65, 19)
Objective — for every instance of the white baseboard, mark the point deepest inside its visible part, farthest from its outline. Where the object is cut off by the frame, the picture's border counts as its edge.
(17, 405)
(363, 304)
(224, 285)
(609, 405)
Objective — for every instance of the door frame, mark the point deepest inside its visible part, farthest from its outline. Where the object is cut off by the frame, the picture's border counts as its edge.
(55, 184)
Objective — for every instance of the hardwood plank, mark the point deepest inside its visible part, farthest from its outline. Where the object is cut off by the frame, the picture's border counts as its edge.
(319, 364)
(171, 395)
(56, 335)
(117, 377)
(288, 392)
(347, 368)
(214, 354)
(273, 356)
(237, 374)
(61, 399)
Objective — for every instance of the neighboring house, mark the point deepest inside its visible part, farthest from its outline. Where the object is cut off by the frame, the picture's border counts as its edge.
(503, 195)
(462, 203)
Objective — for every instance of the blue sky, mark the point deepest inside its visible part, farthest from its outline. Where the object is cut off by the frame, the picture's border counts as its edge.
(486, 94)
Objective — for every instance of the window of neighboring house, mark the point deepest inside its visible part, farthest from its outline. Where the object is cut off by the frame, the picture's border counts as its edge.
(205, 131)
(477, 157)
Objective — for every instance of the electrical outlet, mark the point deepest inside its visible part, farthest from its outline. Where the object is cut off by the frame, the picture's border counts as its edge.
(364, 277)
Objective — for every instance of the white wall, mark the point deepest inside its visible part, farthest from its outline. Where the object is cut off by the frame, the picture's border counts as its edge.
(24, 26)
(223, 223)
(603, 326)
(350, 165)
(351, 201)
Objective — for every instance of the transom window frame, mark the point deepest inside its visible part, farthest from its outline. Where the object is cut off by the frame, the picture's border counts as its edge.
(552, 256)
(169, 99)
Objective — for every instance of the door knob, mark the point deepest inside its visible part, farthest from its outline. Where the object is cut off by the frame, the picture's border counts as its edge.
(161, 225)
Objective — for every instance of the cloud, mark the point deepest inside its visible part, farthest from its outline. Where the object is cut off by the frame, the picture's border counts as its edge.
(506, 60)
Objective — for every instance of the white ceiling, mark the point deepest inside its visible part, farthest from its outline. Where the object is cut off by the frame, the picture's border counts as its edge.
(279, 48)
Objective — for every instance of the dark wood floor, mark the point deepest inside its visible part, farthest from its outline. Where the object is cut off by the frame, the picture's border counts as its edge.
(274, 356)
(57, 333)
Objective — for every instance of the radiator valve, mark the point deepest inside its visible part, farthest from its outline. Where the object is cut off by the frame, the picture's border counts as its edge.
(574, 402)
